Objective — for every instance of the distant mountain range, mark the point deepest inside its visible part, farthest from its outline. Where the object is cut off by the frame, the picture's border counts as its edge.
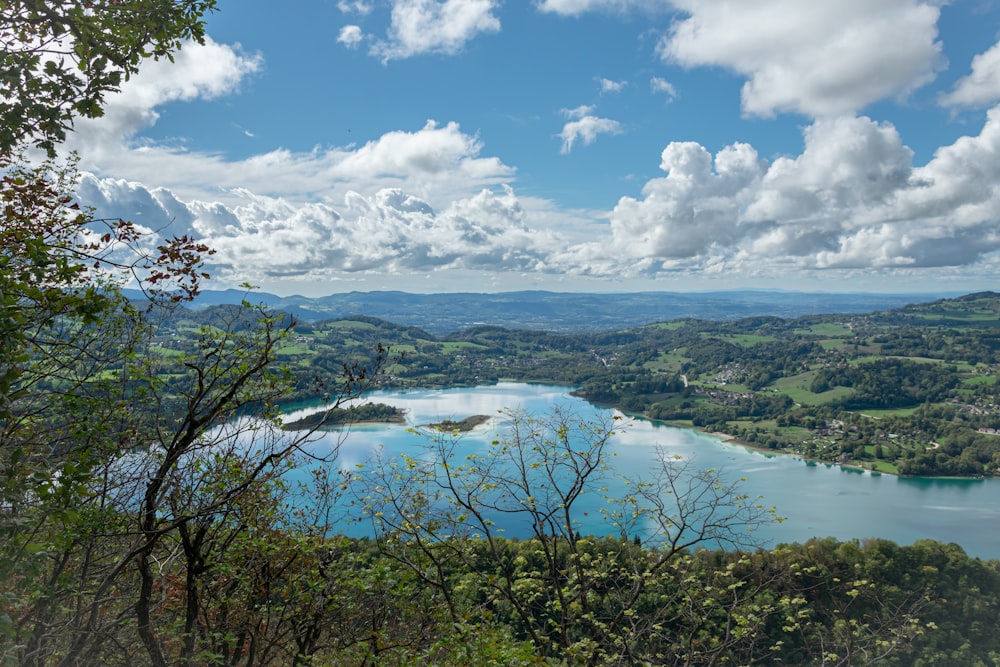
(565, 311)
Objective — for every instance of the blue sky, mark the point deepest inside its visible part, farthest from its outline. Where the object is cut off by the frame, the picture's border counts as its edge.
(570, 145)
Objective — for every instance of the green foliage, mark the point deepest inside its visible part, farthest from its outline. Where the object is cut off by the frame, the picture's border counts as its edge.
(816, 386)
(61, 57)
(337, 416)
(146, 515)
(888, 383)
(575, 598)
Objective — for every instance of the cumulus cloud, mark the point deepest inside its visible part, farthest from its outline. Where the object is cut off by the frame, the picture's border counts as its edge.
(429, 26)
(424, 199)
(847, 54)
(579, 112)
(693, 209)
(438, 162)
(585, 127)
(350, 36)
(851, 201)
(610, 86)
(199, 71)
(389, 231)
(982, 86)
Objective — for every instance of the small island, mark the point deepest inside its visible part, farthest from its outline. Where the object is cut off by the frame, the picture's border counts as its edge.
(462, 426)
(379, 413)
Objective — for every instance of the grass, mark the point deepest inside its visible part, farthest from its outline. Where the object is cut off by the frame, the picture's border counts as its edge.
(964, 316)
(723, 386)
(672, 362)
(793, 432)
(796, 388)
(747, 340)
(827, 329)
(858, 361)
(164, 351)
(886, 467)
(296, 349)
(895, 412)
(347, 325)
(448, 347)
(806, 397)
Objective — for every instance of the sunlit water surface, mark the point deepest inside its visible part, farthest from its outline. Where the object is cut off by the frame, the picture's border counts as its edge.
(816, 500)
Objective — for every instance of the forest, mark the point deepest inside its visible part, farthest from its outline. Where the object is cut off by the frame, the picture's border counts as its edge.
(337, 416)
(909, 391)
(149, 514)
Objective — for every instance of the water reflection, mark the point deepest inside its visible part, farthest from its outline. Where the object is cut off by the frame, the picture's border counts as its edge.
(815, 499)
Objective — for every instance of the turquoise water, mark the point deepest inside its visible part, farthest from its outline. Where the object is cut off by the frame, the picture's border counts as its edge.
(816, 500)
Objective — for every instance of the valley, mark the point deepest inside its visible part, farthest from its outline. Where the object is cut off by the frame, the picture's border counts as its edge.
(908, 391)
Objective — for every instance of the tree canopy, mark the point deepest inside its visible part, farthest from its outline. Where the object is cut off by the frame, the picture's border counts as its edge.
(61, 57)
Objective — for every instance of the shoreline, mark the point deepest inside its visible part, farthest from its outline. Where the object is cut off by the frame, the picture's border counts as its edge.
(466, 425)
(719, 435)
(732, 439)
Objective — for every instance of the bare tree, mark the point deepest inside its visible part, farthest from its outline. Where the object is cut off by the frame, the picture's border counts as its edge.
(573, 594)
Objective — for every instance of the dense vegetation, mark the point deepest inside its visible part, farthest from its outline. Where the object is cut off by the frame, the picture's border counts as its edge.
(909, 391)
(148, 517)
(462, 425)
(338, 416)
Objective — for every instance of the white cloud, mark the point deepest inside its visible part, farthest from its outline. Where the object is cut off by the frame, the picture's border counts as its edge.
(388, 232)
(848, 165)
(577, 7)
(587, 129)
(430, 153)
(354, 7)
(609, 86)
(429, 26)
(693, 209)
(439, 163)
(199, 71)
(579, 112)
(416, 201)
(815, 58)
(660, 85)
(850, 202)
(350, 36)
(982, 86)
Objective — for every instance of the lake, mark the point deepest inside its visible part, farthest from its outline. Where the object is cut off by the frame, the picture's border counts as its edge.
(816, 500)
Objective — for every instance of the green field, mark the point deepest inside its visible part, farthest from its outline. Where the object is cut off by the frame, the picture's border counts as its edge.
(829, 329)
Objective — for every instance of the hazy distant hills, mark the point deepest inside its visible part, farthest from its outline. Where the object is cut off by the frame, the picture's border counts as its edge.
(566, 311)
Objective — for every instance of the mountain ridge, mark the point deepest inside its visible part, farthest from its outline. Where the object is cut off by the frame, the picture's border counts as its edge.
(564, 311)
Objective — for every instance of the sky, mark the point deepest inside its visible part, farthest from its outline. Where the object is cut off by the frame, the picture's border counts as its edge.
(324, 146)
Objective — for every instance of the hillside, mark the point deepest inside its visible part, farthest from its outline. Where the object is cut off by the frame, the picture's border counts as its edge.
(910, 390)
(563, 312)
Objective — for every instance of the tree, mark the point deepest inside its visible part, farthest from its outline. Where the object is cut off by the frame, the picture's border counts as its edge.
(168, 461)
(572, 595)
(68, 340)
(114, 459)
(59, 264)
(61, 57)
